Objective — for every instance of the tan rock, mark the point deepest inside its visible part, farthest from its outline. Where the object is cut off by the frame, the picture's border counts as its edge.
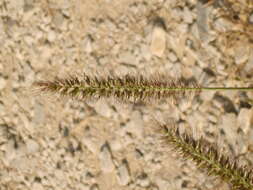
(158, 41)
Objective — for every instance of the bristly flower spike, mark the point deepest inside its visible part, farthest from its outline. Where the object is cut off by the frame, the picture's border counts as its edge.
(133, 88)
(207, 156)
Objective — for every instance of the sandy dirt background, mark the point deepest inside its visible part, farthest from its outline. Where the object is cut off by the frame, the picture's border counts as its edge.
(56, 143)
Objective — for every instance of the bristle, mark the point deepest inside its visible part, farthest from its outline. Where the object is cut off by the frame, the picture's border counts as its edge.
(133, 88)
(208, 157)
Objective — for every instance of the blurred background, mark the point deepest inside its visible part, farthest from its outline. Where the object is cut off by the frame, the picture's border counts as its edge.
(51, 143)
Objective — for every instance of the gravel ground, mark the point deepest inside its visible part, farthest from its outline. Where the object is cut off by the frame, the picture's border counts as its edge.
(55, 143)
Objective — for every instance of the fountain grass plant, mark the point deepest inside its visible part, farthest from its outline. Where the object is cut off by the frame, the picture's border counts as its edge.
(142, 88)
(139, 88)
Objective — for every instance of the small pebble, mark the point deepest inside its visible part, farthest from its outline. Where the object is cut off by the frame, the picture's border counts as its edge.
(94, 187)
(229, 125)
(143, 180)
(172, 57)
(123, 173)
(105, 157)
(188, 15)
(32, 146)
(2, 83)
(244, 119)
(251, 18)
(158, 42)
(88, 47)
(103, 109)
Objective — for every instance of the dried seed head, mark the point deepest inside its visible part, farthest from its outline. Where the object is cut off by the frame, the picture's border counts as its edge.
(133, 88)
(207, 156)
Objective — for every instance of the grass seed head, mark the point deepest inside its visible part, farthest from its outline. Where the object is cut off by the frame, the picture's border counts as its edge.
(128, 87)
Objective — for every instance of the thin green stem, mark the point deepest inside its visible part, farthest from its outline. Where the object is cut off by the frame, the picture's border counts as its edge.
(228, 88)
(208, 88)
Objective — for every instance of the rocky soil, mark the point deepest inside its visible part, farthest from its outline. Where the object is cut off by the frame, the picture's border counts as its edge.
(52, 143)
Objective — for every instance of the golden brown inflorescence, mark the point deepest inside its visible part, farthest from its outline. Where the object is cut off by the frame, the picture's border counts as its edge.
(128, 87)
(206, 156)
